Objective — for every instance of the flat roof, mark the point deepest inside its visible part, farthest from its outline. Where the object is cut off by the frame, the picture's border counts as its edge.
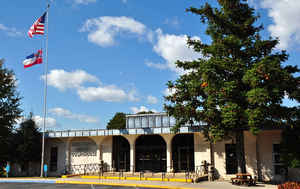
(114, 132)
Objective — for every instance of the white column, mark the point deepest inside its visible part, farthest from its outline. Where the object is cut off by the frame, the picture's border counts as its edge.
(169, 156)
(99, 152)
(132, 156)
(131, 139)
(68, 155)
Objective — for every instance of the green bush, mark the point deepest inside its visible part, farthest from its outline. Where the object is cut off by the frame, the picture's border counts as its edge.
(2, 172)
(289, 185)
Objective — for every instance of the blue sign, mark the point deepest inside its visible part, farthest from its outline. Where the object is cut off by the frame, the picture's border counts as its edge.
(45, 167)
(7, 168)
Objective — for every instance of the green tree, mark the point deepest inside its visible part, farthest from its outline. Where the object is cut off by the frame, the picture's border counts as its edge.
(239, 83)
(9, 110)
(144, 112)
(28, 143)
(117, 122)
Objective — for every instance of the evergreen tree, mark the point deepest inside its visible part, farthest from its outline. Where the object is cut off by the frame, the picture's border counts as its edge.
(240, 82)
(9, 110)
(28, 143)
(117, 122)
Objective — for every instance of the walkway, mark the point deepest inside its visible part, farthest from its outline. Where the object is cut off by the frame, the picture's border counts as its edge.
(134, 183)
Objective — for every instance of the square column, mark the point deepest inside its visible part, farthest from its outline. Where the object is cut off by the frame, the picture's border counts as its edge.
(132, 157)
(68, 156)
(169, 157)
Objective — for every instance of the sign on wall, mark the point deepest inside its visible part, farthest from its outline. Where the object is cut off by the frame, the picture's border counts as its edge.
(83, 148)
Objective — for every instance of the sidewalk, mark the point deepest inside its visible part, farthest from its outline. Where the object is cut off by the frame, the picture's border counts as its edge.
(134, 183)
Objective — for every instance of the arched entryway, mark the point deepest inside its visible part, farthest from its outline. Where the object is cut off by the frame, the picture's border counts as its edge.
(121, 154)
(183, 152)
(150, 153)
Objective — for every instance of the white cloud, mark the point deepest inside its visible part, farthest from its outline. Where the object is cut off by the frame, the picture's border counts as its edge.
(105, 93)
(132, 96)
(84, 2)
(103, 30)
(50, 122)
(156, 65)
(174, 22)
(63, 80)
(173, 48)
(286, 25)
(68, 114)
(141, 109)
(150, 36)
(151, 99)
(10, 31)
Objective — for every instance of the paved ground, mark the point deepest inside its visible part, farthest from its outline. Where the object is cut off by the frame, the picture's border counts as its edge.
(201, 185)
(54, 186)
(116, 184)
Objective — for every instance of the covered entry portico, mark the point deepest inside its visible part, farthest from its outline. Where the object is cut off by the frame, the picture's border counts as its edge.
(147, 144)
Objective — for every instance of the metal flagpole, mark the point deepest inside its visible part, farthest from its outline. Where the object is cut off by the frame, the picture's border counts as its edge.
(45, 94)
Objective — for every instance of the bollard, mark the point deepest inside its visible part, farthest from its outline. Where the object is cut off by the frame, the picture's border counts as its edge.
(141, 175)
(120, 174)
(163, 175)
(187, 175)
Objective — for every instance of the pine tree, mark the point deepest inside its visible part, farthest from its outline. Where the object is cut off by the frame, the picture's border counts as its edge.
(240, 82)
(28, 143)
(9, 110)
(117, 122)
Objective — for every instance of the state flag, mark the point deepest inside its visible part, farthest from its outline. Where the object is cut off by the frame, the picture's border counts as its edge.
(34, 58)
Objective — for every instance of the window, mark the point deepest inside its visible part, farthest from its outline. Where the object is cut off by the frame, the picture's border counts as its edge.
(166, 121)
(137, 122)
(53, 159)
(144, 122)
(278, 166)
(151, 121)
(158, 121)
(231, 161)
(131, 122)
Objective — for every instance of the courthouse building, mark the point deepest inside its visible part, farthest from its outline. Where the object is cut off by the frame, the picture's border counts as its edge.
(148, 144)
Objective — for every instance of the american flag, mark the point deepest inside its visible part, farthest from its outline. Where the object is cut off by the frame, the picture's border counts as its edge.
(38, 26)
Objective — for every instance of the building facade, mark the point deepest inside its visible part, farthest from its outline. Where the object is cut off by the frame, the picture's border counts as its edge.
(148, 144)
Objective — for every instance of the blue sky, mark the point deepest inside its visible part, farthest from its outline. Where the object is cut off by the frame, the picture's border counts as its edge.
(115, 56)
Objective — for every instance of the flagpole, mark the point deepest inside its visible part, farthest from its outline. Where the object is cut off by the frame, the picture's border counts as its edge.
(45, 95)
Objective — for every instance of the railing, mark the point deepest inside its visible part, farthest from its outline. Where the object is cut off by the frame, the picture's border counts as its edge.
(105, 132)
(100, 169)
(85, 169)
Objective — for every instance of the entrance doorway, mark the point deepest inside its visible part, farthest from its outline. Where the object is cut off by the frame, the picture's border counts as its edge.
(231, 161)
(183, 152)
(151, 153)
(121, 154)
